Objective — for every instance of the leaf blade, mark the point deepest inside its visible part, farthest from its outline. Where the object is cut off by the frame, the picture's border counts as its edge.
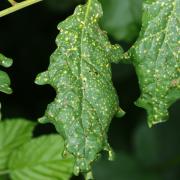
(4, 79)
(156, 59)
(80, 72)
(32, 162)
(13, 133)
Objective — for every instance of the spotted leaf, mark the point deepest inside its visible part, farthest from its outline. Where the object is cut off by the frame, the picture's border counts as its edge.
(156, 58)
(4, 79)
(80, 72)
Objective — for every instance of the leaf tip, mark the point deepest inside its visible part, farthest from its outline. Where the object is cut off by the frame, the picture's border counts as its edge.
(111, 155)
(6, 89)
(42, 78)
(120, 113)
(4, 61)
(43, 120)
(76, 170)
(88, 176)
(110, 151)
(152, 123)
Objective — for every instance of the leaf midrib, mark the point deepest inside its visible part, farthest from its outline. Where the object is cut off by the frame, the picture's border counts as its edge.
(80, 68)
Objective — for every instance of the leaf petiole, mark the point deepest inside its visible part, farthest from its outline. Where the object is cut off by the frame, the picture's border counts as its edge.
(17, 6)
(12, 2)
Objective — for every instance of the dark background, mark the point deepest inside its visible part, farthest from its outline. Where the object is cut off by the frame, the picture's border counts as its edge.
(28, 36)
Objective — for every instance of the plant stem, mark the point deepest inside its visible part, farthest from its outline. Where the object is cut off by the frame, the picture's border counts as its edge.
(17, 6)
(12, 2)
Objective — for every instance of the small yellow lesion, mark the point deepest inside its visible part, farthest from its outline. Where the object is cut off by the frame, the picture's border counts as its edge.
(175, 83)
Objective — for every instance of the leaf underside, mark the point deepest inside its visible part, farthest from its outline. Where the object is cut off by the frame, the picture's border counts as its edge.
(13, 133)
(156, 58)
(80, 72)
(41, 158)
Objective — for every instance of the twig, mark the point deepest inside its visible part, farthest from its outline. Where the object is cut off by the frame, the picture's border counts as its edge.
(17, 6)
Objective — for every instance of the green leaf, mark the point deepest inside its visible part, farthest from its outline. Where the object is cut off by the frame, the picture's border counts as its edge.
(4, 61)
(122, 18)
(124, 167)
(41, 159)
(13, 133)
(156, 58)
(4, 83)
(4, 177)
(4, 79)
(80, 72)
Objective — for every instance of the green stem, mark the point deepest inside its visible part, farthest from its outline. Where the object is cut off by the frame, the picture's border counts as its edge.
(17, 6)
(12, 2)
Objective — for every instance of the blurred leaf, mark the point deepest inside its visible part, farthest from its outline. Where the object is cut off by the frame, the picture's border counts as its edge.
(4, 83)
(4, 61)
(124, 167)
(4, 177)
(122, 18)
(147, 148)
(40, 159)
(4, 78)
(13, 133)
(159, 147)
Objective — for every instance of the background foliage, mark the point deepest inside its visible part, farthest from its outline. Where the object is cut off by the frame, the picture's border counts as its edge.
(28, 37)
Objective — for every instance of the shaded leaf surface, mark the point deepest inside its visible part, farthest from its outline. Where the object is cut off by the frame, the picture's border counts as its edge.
(159, 147)
(122, 18)
(13, 133)
(155, 155)
(41, 159)
(80, 72)
(156, 58)
(4, 177)
(125, 167)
